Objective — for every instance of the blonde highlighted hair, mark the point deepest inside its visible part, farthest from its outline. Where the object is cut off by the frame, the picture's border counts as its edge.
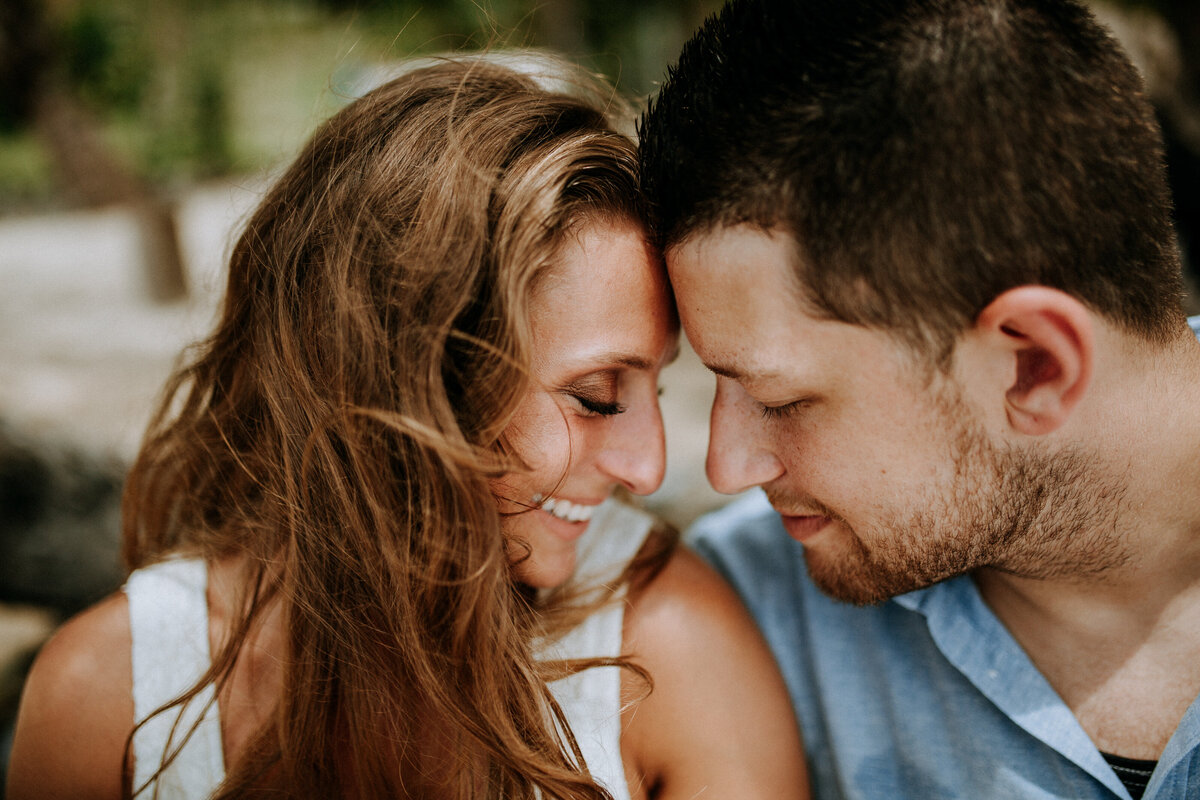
(339, 428)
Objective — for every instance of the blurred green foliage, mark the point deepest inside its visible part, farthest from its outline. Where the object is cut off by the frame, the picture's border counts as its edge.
(183, 90)
(107, 56)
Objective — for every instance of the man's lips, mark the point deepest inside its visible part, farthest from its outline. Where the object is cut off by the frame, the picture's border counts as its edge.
(805, 526)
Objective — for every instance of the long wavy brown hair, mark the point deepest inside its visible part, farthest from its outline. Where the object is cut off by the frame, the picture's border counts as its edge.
(339, 428)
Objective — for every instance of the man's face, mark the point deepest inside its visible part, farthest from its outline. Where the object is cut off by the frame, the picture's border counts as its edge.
(877, 463)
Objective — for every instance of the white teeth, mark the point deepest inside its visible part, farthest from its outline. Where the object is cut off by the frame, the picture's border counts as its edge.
(564, 509)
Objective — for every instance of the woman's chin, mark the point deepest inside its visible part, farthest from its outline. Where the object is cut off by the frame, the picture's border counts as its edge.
(541, 572)
(551, 544)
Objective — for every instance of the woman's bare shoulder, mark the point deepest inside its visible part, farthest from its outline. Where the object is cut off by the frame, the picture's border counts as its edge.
(687, 611)
(685, 579)
(76, 709)
(718, 718)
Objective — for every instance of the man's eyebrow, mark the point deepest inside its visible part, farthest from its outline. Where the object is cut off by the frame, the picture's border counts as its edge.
(743, 374)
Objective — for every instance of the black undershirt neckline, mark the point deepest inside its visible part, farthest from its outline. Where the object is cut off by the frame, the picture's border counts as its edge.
(1133, 772)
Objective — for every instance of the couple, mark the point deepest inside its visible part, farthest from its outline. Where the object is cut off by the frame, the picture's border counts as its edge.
(926, 248)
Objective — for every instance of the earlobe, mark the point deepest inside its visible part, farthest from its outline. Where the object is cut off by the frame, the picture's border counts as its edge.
(1049, 337)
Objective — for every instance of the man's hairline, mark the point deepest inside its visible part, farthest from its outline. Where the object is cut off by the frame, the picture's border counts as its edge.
(716, 224)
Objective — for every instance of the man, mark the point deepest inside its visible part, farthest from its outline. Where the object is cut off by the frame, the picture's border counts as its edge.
(926, 248)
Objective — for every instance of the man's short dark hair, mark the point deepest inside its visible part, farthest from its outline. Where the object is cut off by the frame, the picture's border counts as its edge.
(926, 154)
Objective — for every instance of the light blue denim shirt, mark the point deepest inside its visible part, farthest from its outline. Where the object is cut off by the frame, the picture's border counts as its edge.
(923, 697)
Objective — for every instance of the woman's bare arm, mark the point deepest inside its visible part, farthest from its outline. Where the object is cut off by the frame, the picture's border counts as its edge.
(719, 723)
(76, 711)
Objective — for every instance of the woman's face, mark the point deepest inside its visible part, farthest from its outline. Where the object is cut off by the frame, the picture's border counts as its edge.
(603, 326)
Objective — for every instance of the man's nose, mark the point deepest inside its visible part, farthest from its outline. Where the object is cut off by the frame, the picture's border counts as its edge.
(740, 454)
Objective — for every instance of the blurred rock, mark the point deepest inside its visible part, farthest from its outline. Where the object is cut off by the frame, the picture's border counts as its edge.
(59, 524)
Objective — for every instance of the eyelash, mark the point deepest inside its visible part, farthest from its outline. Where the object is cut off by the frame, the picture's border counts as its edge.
(598, 407)
(783, 411)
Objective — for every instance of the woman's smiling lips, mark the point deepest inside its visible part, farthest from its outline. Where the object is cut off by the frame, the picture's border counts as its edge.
(565, 509)
(575, 514)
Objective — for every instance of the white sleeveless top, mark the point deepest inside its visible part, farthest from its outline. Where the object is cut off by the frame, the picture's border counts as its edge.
(168, 617)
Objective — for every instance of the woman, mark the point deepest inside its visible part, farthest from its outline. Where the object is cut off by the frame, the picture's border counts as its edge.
(373, 552)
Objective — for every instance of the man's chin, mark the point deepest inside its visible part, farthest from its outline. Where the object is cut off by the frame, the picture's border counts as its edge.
(849, 588)
(852, 578)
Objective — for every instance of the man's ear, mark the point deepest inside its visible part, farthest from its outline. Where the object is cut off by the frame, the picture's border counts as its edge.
(1049, 337)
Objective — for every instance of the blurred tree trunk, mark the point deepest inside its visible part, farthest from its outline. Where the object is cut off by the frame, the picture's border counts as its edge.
(89, 172)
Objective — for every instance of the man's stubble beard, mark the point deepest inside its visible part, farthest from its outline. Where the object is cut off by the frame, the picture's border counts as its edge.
(1021, 511)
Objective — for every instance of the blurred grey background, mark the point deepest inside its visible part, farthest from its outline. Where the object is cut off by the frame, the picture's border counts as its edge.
(135, 136)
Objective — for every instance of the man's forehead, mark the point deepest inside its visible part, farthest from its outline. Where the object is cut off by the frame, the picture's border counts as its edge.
(742, 241)
(737, 295)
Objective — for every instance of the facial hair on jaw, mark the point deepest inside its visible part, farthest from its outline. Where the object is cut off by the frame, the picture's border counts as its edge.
(1035, 514)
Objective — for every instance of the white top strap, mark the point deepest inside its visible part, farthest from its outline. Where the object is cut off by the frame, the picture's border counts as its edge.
(168, 614)
(168, 618)
(591, 700)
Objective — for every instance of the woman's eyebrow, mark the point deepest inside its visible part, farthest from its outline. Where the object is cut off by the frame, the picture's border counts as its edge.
(625, 360)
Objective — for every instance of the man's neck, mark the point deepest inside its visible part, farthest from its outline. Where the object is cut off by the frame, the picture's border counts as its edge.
(1122, 646)
(1127, 666)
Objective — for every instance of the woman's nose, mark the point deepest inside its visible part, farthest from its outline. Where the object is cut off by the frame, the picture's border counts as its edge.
(635, 450)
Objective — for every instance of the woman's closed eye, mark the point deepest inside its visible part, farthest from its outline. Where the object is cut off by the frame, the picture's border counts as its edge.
(596, 395)
(600, 407)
